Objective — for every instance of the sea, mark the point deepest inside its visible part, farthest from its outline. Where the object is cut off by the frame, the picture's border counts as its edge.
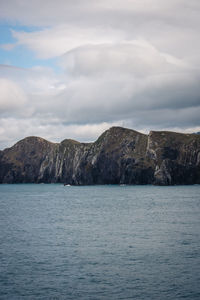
(99, 242)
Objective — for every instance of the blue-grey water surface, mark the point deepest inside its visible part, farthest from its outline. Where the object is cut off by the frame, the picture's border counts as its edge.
(99, 242)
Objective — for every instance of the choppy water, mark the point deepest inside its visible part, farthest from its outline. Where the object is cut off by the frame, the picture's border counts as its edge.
(99, 242)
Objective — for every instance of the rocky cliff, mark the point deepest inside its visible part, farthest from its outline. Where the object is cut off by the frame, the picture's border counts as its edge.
(118, 156)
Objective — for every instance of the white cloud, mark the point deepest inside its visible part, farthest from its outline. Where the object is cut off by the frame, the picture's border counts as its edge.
(126, 83)
(12, 96)
(130, 63)
(12, 130)
(172, 26)
(37, 80)
(51, 42)
(136, 57)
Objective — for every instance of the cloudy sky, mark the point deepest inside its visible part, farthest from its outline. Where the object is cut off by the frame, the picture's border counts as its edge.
(71, 69)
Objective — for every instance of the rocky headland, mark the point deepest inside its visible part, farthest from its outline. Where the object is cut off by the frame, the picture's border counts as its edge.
(119, 156)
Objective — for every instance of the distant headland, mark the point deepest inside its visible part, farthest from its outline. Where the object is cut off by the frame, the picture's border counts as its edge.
(118, 156)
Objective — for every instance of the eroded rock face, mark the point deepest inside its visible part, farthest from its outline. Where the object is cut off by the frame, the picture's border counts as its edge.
(176, 158)
(118, 156)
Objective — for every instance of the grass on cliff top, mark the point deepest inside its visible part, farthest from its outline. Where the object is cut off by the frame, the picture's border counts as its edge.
(122, 139)
(169, 138)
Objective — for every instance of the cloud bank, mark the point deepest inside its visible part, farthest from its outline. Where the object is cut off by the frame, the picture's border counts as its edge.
(127, 63)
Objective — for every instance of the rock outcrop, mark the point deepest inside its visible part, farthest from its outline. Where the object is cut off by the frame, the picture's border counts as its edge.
(119, 156)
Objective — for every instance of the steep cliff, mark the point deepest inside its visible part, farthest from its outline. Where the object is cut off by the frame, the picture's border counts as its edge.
(176, 157)
(118, 156)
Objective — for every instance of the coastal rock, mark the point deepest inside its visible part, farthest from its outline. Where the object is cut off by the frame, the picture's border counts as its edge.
(119, 156)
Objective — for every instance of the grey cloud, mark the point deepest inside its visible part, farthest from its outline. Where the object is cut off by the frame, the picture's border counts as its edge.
(99, 89)
(110, 82)
(137, 57)
(131, 63)
(49, 12)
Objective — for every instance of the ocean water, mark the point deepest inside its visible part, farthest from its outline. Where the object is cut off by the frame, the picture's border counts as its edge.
(99, 242)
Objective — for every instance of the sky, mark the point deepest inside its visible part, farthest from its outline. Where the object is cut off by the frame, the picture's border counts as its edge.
(72, 69)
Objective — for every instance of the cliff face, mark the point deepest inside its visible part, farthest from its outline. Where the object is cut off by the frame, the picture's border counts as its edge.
(118, 156)
(176, 157)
